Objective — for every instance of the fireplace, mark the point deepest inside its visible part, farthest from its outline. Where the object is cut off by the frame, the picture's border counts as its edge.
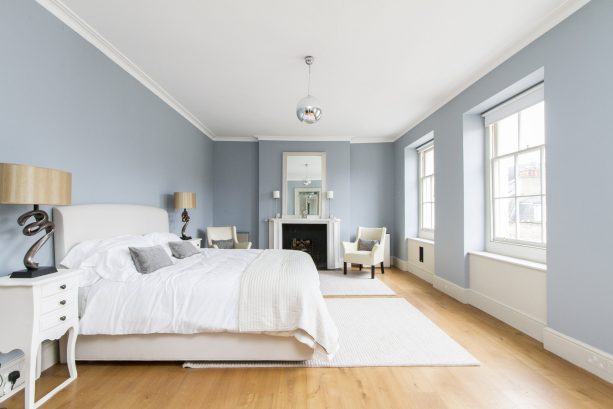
(309, 238)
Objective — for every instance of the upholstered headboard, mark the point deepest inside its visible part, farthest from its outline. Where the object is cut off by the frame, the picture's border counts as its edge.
(74, 224)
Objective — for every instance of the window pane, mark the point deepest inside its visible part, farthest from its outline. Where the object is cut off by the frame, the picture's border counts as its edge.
(530, 219)
(504, 177)
(426, 216)
(544, 173)
(427, 193)
(532, 126)
(529, 173)
(428, 162)
(544, 204)
(507, 135)
(433, 217)
(504, 218)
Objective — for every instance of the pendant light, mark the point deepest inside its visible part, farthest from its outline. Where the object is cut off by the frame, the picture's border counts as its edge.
(307, 181)
(308, 109)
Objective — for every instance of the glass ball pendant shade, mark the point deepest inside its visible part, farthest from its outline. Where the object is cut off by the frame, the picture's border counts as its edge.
(308, 110)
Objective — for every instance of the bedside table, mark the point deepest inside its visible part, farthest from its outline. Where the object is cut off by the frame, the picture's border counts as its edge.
(34, 310)
(196, 242)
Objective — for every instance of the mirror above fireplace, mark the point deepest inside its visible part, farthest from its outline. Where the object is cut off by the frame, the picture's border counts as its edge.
(304, 184)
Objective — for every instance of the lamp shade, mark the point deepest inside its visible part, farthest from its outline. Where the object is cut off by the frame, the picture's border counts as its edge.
(276, 194)
(330, 194)
(185, 200)
(25, 184)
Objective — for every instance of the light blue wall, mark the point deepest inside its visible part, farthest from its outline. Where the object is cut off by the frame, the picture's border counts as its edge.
(337, 178)
(372, 186)
(236, 187)
(65, 105)
(360, 175)
(578, 61)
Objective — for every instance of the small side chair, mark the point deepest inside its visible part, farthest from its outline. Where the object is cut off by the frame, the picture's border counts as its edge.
(368, 248)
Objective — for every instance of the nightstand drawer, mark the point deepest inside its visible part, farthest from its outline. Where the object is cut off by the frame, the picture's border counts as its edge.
(59, 317)
(59, 286)
(57, 301)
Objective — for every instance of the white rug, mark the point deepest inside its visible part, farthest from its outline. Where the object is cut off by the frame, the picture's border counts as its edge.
(377, 332)
(354, 283)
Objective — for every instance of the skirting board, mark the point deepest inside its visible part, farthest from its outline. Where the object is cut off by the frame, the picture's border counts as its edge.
(453, 290)
(579, 353)
(420, 272)
(515, 318)
(400, 263)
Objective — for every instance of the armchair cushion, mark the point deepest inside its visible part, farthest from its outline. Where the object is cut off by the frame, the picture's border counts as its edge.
(366, 245)
(223, 244)
(244, 246)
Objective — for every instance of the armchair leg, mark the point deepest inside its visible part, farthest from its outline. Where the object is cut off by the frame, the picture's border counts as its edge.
(372, 271)
(345, 268)
(382, 268)
(361, 267)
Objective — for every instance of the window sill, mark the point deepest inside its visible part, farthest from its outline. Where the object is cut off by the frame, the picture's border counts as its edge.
(511, 260)
(426, 241)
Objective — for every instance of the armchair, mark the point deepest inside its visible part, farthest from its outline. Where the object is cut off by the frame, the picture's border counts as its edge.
(362, 257)
(224, 233)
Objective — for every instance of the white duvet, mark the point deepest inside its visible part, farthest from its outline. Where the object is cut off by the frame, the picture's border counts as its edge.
(197, 294)
(202, 293)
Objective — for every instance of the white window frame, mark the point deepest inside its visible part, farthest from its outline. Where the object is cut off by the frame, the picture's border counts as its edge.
(513, 247)
(425, 233)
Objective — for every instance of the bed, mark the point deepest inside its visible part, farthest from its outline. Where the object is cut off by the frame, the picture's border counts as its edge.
(273, 285)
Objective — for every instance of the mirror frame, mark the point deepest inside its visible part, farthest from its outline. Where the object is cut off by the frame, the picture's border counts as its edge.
(284, 191)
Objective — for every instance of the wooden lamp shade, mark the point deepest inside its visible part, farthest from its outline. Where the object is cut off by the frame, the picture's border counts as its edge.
(185, 200)
(25, 184)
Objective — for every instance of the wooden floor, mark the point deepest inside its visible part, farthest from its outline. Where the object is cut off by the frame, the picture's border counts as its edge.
(515, 373)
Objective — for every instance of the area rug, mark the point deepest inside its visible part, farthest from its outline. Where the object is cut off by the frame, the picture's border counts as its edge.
(376, 332)
(354, 283)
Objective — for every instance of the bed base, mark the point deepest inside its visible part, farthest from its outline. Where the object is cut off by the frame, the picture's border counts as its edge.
(221, 346)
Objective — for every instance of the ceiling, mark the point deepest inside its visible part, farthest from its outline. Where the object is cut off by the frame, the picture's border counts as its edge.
(235, 68)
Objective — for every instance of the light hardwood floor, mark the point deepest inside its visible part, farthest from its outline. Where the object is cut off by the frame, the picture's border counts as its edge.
(516, 372)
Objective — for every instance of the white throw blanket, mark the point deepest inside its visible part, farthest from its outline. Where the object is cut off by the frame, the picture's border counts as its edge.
(280, 293)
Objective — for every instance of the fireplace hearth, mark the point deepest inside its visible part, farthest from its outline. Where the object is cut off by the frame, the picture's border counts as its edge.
(309, 238)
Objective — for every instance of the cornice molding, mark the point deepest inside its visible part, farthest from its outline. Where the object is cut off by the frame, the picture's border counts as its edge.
(72, 20)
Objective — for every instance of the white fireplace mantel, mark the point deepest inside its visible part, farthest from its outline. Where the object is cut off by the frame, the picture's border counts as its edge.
(275, 236)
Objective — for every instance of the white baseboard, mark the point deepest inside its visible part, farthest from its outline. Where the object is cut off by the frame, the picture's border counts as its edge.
(451, 289)
(579, 353)
(515, 318)
(420, 272)
(400, 263)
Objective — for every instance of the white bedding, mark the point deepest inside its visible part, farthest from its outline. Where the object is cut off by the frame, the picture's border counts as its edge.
(199, 294)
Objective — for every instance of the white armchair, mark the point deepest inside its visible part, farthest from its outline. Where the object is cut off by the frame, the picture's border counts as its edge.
(363, 257)
(224, 233)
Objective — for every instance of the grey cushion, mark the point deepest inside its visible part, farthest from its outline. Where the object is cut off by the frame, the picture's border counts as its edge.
(224, 244)
(149, 259)
(182, 249)
(366, 245)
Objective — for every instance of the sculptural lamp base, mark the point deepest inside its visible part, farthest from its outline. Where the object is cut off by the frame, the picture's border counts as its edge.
(41, 271)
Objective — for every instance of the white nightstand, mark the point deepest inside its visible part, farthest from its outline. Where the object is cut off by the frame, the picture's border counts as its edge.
(196, 242)
(34, 310)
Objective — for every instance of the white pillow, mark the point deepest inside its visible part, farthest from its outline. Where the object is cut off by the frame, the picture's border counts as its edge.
(112, 259)
(162, 239)
(78, 253)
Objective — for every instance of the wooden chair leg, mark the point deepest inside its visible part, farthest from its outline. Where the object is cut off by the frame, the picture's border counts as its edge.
(382, 268)
(345, 268)
(361, 265)
(372, 271)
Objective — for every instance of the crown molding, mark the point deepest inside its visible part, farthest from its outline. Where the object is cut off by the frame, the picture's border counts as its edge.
(72, 20)
(304, 138)
(372, 139)
(235, 139)
(554, 18)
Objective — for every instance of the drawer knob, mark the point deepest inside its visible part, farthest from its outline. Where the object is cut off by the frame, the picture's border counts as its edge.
(63, 286)
(63, 318)
(63, 302)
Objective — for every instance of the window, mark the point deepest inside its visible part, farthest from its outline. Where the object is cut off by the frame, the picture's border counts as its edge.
(426, 190)
(516, 176)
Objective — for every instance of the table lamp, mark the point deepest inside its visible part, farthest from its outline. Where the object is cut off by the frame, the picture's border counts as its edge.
(330, 196)
(185, 200)
(25, 184)
(276, 194)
